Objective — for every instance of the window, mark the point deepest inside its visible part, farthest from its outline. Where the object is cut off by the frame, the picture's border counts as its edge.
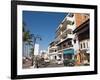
(70, 22)
(69, 43)
(74, 41)
(81, 46)
(87, 44)
(84, 44)
(69, 31)
(64, 45)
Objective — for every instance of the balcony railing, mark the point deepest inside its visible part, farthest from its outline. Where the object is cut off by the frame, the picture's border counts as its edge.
(70, 18)
(65, 37)
(53, 47)
(68, 46)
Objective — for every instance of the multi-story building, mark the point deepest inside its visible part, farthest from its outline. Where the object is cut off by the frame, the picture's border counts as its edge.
(36, 49)
(72, 39)
(82, 36)
(65, 37)
(64, 46)
(52, 50)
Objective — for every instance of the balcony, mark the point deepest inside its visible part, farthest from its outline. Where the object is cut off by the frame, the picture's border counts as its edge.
(53, 47)
(66, 47)
(51, 53)
(70, 18)
(70, 36)
(72, 27)
(66, 36)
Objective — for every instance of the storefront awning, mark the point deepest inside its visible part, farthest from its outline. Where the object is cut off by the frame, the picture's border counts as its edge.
(69, 51)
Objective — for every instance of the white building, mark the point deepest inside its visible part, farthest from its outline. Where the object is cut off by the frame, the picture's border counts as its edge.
(44, 54)
(64, 45)
(52, 50)
(36, 49)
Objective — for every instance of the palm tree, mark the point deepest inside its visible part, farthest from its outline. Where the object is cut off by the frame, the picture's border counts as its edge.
(25, 39)
(30, 43)
(31, 51)
(29, 40)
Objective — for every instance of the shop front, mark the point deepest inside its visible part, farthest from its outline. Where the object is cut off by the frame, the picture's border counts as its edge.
(68, 56)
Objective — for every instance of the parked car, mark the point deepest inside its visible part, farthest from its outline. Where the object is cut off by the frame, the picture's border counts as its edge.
(59, 61)
(69, 62)
(47, 60)
(24, 60)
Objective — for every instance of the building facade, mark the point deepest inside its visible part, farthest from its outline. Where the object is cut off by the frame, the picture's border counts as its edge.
(64, 46)
(36, 49)
(44, 54)
(52, 50)
(65, 37)
(72, 39)
(82, 36)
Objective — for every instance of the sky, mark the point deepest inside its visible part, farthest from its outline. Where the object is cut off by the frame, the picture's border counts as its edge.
(43, 24)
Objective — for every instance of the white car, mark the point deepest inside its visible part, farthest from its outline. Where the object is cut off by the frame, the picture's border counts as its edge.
(47, 60)
(59, 61)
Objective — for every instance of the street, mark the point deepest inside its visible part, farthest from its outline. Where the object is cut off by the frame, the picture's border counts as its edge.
(48, 65)
(27, 64)
(43, 64)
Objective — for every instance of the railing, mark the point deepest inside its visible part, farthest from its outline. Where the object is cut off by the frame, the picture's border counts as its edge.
(70, 18)
(68, 46)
